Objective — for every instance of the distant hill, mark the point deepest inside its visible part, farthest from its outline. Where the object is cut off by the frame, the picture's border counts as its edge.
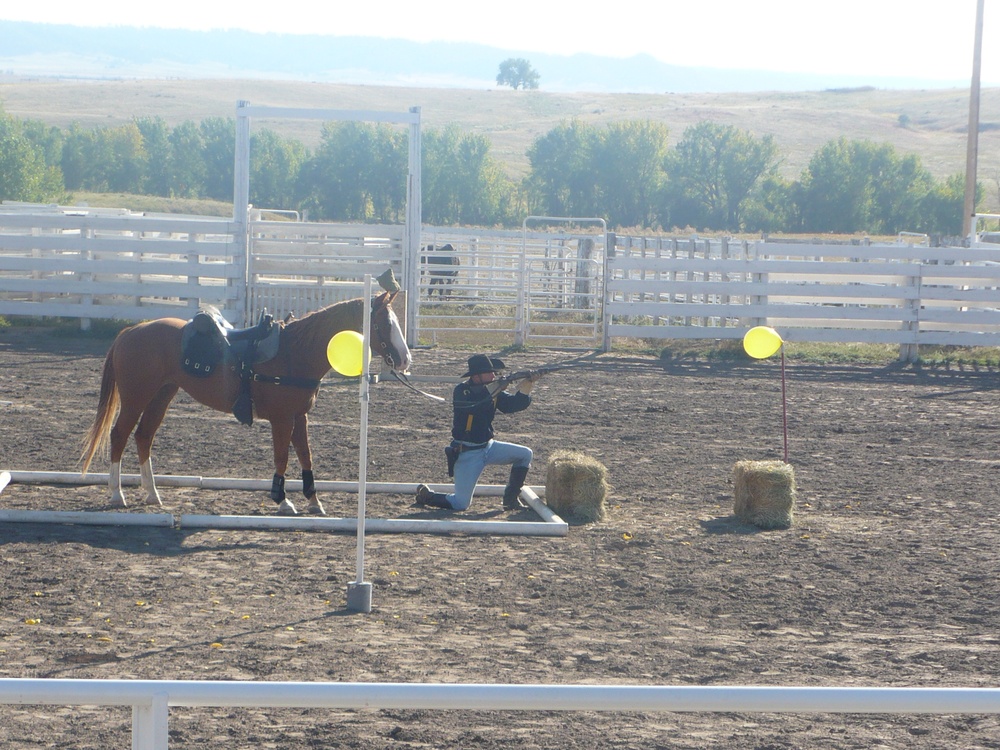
(33, 49)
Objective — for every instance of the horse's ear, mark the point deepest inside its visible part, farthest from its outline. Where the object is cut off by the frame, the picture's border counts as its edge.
(385, 299)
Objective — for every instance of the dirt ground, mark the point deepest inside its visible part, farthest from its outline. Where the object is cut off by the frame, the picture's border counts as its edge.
(888, 576)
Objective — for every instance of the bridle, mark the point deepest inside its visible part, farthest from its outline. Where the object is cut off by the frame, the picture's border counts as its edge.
(381, 330)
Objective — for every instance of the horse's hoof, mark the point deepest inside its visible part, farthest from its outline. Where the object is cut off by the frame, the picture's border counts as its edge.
(287, 509)
(154, 501)
(316, 508)
(118, 502)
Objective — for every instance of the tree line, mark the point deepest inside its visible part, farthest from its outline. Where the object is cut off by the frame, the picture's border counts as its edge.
(715, 178)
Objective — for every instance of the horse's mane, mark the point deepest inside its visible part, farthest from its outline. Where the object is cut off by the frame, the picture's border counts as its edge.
(315, 328)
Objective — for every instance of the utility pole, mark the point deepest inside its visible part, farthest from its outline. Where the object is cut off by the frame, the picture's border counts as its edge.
(972, 144)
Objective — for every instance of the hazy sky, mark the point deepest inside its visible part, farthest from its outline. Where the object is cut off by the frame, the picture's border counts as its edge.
(909, 38)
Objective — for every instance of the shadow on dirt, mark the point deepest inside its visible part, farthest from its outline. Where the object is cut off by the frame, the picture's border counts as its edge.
(731, 524)
(156, 541)
(964, 377)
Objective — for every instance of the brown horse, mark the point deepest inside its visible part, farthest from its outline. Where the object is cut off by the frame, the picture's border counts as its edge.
(143, 372)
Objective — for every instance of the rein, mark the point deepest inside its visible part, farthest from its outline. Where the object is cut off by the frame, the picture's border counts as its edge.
(402, 379)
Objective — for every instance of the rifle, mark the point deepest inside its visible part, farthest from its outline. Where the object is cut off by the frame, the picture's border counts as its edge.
(500, 383)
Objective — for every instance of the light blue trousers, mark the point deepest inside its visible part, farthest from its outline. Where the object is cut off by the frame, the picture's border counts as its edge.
(470, 465)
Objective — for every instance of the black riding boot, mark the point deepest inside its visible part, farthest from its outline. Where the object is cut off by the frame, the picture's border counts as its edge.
(511, 492)
(425, 496)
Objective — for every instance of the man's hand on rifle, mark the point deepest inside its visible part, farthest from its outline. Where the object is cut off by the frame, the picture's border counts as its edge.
(528, 383)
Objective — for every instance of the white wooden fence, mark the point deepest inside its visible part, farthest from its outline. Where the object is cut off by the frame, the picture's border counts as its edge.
(531, 286)
(525, 287)
(151, 699)
(899, 294)
(91, 264)
(296, 267)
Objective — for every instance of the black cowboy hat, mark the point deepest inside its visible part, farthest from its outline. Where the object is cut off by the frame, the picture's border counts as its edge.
(480, 363)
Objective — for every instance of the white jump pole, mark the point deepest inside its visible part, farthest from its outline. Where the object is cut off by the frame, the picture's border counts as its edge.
(555, 527)
(237, 483)
(151, 699)
(87, 518)
(359, 593)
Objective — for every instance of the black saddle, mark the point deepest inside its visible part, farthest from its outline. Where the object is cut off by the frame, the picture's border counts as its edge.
(209, 342)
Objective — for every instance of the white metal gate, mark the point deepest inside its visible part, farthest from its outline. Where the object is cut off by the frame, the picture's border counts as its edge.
(297, 267)
(561, 296)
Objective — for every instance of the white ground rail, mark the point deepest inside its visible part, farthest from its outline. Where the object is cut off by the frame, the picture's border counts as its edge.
(550, 525)
(151, 699)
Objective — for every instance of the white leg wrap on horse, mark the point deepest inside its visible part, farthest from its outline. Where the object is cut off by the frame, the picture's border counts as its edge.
(115, 486)
(146, 478)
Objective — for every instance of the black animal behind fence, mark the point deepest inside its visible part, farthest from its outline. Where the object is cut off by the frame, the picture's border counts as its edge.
(442, 278)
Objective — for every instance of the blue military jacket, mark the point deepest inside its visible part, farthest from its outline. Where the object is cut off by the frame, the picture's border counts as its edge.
(475, 408)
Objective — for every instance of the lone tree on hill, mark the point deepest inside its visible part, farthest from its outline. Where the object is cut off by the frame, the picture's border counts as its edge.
(518, 74)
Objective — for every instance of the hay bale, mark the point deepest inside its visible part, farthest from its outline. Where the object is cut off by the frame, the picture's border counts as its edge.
(576, 486)
(764, 493)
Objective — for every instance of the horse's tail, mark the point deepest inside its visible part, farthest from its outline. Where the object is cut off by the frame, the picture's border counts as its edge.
(98, 436)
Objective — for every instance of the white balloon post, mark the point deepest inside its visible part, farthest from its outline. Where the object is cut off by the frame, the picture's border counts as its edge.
(349, 354)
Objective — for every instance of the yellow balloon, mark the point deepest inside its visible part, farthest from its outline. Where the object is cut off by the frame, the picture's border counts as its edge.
(760, 342)
(345, 352)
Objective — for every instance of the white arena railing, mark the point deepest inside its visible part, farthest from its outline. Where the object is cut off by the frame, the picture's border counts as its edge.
(151, 699)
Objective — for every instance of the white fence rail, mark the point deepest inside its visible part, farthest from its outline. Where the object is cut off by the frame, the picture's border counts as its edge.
(297, 267)
(533, 286)
(105, 264)
(893, 294)
(151, 699)
(554, 287)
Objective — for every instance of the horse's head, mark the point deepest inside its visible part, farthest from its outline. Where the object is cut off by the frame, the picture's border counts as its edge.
(386, 335)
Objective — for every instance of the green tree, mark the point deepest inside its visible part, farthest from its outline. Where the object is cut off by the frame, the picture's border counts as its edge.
(628, 163)
(358, 173)
(941, 209)
(771, 206)
(461, 182)
(47, 138)
(187, 161)
(711, 174)
(518, 74)
(156, 143)
(119, 159)
(218, 136)
(861, 186)
(275, 166)
(562, 180)
(75, 159)
(24, 175)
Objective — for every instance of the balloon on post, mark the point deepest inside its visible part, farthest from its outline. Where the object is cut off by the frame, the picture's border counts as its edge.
(760, 342)
(346, 353)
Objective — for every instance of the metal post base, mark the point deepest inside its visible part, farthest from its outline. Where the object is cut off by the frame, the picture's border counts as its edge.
(359, 597)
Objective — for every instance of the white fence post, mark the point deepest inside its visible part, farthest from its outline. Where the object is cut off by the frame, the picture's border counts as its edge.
(241, 206)
(149, 723)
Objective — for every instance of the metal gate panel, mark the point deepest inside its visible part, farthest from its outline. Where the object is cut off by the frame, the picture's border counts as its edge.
(297, 267)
